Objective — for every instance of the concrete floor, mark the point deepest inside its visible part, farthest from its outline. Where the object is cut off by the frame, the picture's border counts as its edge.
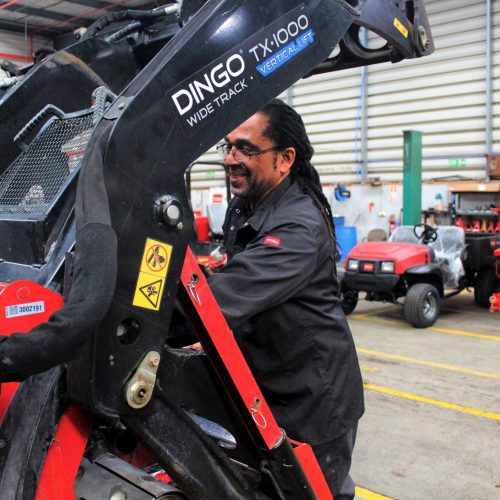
(431, 429)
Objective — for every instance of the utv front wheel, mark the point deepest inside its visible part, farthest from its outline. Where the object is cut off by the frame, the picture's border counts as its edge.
(348, 299)
(484, 288)
(421, 307)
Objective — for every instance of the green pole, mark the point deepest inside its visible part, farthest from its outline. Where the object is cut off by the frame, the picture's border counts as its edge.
(412, 178)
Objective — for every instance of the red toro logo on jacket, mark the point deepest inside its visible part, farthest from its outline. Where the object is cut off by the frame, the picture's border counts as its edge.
(273, 241)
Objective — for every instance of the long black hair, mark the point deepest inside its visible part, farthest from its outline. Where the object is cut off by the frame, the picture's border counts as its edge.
(286, 129)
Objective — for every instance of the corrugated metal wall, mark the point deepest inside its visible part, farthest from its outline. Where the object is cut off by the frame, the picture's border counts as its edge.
(19, 49)
(495, 75)
(356, 118)
(444, 95)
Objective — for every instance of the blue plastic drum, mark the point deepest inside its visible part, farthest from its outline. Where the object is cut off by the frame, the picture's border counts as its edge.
(347, 238)
(338, 220)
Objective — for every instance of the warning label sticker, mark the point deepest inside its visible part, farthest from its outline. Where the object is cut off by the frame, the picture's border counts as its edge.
(148, 292)
(152, 275)
(156, 258)
(400, 27)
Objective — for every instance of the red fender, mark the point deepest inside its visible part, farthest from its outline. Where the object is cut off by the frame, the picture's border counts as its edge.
(57, 478)
(24, 304)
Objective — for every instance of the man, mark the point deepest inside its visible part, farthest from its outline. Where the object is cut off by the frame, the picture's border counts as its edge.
(278, 291)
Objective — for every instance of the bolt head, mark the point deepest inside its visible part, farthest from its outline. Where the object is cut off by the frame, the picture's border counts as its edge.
(154, 361)
(140, 393)
(424, 39)
(118, 495)
(173, 212)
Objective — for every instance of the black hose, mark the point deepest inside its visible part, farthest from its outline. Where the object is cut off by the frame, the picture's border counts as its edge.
(120, 16)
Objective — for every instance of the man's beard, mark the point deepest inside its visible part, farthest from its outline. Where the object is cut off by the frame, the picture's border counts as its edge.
(251, 190)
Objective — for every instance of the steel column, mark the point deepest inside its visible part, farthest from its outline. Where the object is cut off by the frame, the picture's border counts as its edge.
(412, 177)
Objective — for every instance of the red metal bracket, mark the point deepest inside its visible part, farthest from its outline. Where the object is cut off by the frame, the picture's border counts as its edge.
(222, 340)
(227, 349)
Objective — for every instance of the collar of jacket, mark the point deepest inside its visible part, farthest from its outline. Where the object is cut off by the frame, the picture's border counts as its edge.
(257, 218)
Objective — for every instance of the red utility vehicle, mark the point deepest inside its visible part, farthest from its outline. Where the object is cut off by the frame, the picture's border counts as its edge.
(421, 264)
(495, 297)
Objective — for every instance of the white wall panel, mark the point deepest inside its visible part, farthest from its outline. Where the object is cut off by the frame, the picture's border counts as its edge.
(18, 48)
(496, 76)
(443, 95)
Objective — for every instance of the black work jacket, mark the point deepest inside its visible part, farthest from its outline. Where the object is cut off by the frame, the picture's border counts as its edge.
(278, 294)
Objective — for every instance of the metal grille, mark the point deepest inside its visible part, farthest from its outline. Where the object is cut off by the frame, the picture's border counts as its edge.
(33, 181)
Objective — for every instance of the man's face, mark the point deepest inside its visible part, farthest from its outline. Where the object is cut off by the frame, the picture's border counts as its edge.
(253, 166)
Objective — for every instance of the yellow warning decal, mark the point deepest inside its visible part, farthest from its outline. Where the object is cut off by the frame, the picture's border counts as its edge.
(152, 275)
(400, 27)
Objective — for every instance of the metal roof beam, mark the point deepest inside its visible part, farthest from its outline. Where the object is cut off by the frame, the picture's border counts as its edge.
(92, 3)
(49, 14)
(30, 11)
(106, 6)
(21, 28)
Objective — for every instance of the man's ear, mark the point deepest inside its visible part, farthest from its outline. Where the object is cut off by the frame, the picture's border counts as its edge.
(287, 159)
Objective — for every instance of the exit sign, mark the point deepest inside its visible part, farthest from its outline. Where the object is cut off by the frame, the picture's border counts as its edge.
(457, 162)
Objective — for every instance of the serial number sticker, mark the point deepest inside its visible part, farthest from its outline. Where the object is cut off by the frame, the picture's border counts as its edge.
(400, 27)
(24, 309)
(152, 275)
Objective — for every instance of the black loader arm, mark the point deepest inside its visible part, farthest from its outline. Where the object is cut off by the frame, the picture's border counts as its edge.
(193, 71)
(402, 24)
(231, 58)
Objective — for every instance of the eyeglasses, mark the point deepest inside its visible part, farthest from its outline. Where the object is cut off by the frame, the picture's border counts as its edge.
(242, 154)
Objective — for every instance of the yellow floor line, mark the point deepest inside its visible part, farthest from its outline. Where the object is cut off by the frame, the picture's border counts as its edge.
(432, 364)
(364, 317)
(442, 404)
(364, 494)
(367, 317)
(467, 334)
(367, 368)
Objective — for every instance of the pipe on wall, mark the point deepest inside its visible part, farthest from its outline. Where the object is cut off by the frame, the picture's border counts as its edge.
(361, 129)
(15, 57)
(489, 80)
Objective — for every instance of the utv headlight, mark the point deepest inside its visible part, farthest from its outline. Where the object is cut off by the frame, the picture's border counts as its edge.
(387, 267)
(353, 265)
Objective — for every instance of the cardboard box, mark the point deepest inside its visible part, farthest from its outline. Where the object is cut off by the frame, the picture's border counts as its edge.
(493, 166)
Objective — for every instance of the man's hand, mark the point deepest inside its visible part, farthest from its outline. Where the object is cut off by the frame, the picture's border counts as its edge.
(195, 347)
